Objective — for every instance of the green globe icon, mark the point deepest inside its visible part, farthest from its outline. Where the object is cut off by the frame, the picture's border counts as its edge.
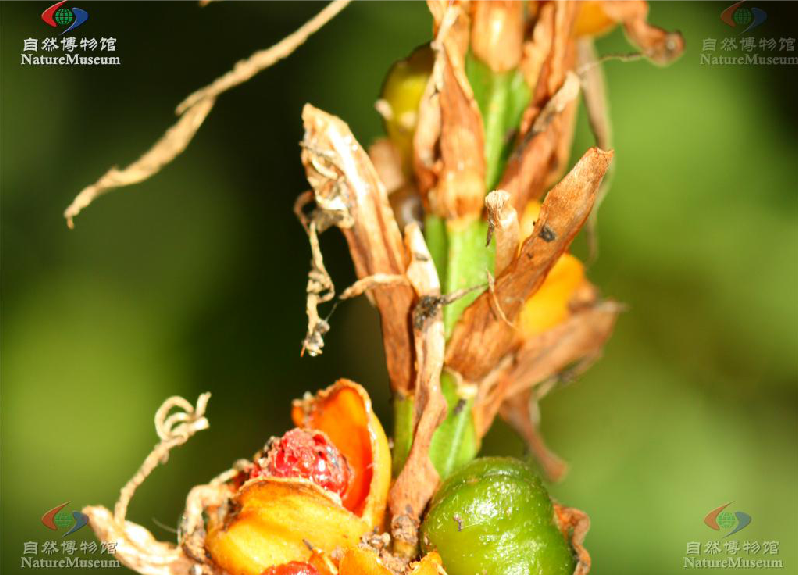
(742, 16)
(726, 519)
(63, 519)
(64, 16)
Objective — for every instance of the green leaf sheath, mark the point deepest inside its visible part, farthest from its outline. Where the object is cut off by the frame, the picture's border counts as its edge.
(454, 443)
(467, 264)
(502, 98)
(458, 247)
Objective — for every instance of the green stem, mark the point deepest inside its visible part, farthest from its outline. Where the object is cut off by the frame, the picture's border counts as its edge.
(454, 443)
(502, 98)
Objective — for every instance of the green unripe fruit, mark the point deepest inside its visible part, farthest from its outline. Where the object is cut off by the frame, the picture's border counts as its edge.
(494, 516)
(402, 91)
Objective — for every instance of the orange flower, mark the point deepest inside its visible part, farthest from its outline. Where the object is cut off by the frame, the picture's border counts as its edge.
(549, 305)
(270, 521)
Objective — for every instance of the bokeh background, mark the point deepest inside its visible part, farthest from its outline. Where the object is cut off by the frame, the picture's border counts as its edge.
(194, 280)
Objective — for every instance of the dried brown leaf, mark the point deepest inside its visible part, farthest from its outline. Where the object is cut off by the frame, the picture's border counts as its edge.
(502, 225)
(581, 336)
(546, 131)
(659, 46)
(518, 412)
(388, 162)
(481, 338)
(537, 49)
(345, 182)
(418, 479)
(561, 58)
(460, 189)
(574, 525)
(449, 154)
(497, 33)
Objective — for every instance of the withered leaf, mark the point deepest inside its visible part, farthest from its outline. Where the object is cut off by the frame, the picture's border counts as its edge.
(418, 479)
(343, 178)
(517, 411)
(503, 225)
(497, 33)
(481, 338)
(451, 175)
(580, 336)
(659, 46)
(574, 525)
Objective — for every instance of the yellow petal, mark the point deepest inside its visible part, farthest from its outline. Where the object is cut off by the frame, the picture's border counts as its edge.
(358, 561)
(549, 305)
(271, 519)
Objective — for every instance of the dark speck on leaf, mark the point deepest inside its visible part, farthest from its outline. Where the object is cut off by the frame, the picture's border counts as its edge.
(547, 234)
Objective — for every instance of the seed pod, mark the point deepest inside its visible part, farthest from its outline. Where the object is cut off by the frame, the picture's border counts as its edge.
(269, 520)
(495, 516)
(401, 94)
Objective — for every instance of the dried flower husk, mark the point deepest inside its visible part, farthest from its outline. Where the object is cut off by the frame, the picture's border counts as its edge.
(596, 18)
(483, 336)
(497, 33)
(449, 157)
(561, 323)
(269, 521)
(349, 194)
(574, 525)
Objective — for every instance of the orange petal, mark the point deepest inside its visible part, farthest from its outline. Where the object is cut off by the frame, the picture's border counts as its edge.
(592, 20)
(343, 411)
(358, 561)
(549, 305)
(271, 521)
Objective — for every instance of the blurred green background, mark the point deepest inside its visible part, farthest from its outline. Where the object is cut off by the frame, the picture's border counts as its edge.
(194, 280)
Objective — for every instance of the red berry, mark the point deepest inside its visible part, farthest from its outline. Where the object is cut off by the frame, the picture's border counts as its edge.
(292, 568)
(308, 454)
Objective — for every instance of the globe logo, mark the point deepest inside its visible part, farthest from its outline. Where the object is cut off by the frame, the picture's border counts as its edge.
(736, 15)
(59, 518)
(56, 16)
(63, 16)
(742, 16)
(719, 518)
(726, 520)
(63, 519)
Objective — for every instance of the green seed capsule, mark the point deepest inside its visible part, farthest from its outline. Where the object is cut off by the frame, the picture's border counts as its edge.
(402, 92)
(494, 516)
